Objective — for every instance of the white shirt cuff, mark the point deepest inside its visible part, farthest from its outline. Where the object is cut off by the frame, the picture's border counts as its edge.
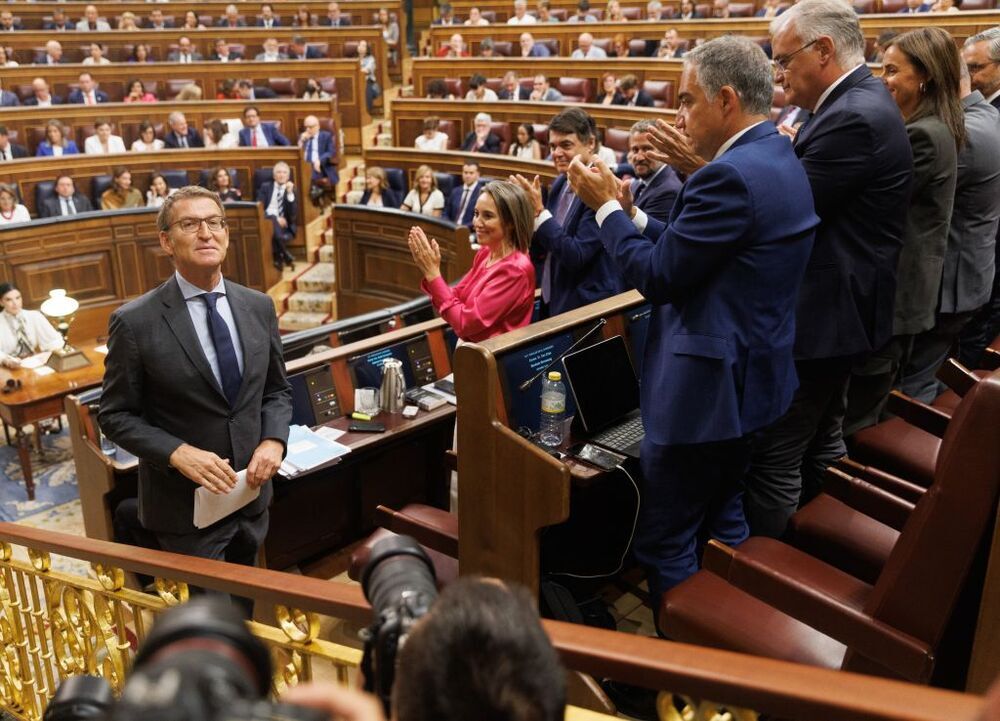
(541, 218)
(640, 220)
(607, 209)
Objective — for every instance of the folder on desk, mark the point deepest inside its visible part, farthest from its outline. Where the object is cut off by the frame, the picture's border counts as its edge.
(308, 449)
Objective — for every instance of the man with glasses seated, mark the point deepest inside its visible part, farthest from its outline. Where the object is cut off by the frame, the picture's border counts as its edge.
(195, 387)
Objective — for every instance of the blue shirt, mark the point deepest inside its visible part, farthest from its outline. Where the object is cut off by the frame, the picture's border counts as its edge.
(199, 317)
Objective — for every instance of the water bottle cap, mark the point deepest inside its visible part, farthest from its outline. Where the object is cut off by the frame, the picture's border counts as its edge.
(555, 376)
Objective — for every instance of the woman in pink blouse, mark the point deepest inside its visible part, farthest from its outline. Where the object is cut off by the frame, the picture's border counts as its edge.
(498, 292)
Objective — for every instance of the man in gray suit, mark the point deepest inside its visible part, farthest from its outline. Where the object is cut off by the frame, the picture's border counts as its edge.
(969, 258)
(195, 387)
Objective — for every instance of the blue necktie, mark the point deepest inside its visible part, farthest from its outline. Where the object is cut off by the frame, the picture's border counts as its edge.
(225, 353)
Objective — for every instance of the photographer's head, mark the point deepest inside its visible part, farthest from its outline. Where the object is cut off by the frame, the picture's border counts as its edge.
(480, 653)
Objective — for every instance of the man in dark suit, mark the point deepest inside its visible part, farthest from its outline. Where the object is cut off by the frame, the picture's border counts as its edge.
(281, 208)
(88, 93)
(53, 54)
(969, 260)
(629, 87)
(59, 22)
(511, 88)
(914, 6)
(656, 184)
(334, 18)
(482, 139)
(723, 277)
(180, 135)
(231, 18)
(255, 134)
(446, 15)
(66, 201)
(299, 50)
(156, 21)
(7, 22)
(320, 151)
(7, 98)
(531, 49)
(576, 270)
(224, 54)
(246, 90)
(195, 387)
(9, 150)
(267, 17)
(41, 96)
(857, 156)
(185, 52)
(460, 206)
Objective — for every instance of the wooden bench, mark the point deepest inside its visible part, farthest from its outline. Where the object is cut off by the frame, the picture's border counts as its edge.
(490, 165)
(342, 76)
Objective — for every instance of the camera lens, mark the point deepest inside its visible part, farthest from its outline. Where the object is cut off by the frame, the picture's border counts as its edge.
(78, 698)
(399, 573)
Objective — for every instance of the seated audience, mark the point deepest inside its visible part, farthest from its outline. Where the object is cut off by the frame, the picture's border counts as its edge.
(390, 33)
(613, 13)
(23, 332)
(185, 52)
(476, 18)
(11, 211)
(319, 148)
(633, 95)
(271, 53)
(41, 96)
(372, 88)
(53, 54)
(688, 11)
(446, 15)
(544, 12)
(191, 91)
(771, 9)
(141, 53)
(127, 21)
(224, 54)
(280, 207)
(66, 201)
(914, 6)
(511, 88)
(91, 22)
(454, 49)
(88, 93)
(654, 11)
(377, 193)
(583, 14)
(7, 98)
(231, 18)
(334, 18)
(191, 21)
(543, 92)
(437, 89)
(524, 145)
(461, 204)
(180, 135)
(720, 8)
(498, 293)
(531, 49)
(102, 142)
(147, 140)
(298, 49)
(158, 191)
(431, 139)
(222, 183)
(6, 61)
(481, 139)
(479, 91)
(56, 143)
(218, 137)
(267, 17)
(156, 21)
(610, 95)
(425, 198)
(314, 91)
(137, 93)
(944, 6)
(619, 47)
(10, 150)
(121, 194)
(59, 23)
(487, 48)
(246, 90)
(671, 46)
(256, 134)
(521, 15)
(586, 50)
(302, 18)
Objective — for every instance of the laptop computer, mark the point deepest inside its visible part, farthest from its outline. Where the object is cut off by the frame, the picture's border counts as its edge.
(606, 390)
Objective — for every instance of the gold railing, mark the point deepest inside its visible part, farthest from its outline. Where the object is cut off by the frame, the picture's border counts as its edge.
(56, 623)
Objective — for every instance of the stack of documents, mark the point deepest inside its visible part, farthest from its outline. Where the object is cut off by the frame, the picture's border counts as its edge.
(308, 449)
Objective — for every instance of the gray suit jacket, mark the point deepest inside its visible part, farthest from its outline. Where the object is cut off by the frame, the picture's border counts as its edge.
(159, 392)
(925, 236)
(969, 260)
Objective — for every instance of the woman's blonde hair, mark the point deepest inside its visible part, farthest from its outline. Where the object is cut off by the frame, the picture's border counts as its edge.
(376, 171)
(426, 169)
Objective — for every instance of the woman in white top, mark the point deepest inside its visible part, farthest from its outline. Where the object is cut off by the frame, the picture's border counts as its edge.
(10, 210)
(476, 18)
(158, 191)
(96, 56)
(431, 139)
(102, 142)
(526, 146)
(424, 199)
(23, 332)
(219, 135)
(5, 60)
(147, 139)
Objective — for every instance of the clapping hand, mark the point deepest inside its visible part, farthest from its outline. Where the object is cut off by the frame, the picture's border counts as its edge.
(532, 188)
(594, 186)
(426, 253)
(673, 148)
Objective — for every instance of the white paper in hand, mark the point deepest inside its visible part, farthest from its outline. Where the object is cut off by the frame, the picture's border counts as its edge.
(211, 507)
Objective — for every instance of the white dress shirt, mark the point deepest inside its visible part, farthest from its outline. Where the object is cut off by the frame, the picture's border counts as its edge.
(199, 318)
(92, 145)
(41, 335)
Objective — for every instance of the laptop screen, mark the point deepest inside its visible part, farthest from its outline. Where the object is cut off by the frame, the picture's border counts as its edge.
(602, 381)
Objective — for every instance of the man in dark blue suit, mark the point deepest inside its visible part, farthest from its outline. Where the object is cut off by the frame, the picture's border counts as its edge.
(319, 150)
(88, 93)
(913, 7)
(256, 134)
(460, 206)
(181, 136)
(723, 277)
(656, 184)
(298, 49)
(281, 208)
(576, 270)
(8, 99)
(857, 156)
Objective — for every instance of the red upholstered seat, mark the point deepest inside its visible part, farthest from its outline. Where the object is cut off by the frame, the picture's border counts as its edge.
(662, 92)
(454, 86)
(575, 90)
(741, 10)
(617, 139)
(899, 448)
(503, 131)
(284, 87)
(418, 516)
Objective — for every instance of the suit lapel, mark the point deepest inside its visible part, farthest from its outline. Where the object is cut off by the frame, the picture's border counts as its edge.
(178, 318)
(859, 74)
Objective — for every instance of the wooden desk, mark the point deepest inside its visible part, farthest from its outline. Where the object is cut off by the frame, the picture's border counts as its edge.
(41, 397)
(451, 161)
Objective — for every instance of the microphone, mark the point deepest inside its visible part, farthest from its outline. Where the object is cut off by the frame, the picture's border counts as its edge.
(528, 383)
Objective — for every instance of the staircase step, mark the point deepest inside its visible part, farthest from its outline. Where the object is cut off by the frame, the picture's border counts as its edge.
(326, 253)
(320, 278)
(296, 320)
(310, 302)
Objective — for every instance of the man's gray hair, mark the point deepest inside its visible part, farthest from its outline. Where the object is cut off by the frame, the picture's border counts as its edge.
(642, 126)
(741, 64)
(991, 37)
(834, 18)
(483, 117)
(282, 165)
(175, 116)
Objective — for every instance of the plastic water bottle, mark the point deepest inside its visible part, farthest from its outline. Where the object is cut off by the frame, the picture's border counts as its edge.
(550, 432)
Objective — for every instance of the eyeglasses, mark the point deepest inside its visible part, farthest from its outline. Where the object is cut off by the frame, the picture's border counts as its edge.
(976, 67)
(781, 63)
(191, 225)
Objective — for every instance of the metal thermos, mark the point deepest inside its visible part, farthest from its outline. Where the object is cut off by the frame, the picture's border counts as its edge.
(393, 392)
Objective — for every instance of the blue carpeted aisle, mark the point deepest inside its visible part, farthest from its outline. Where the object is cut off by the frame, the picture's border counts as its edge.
(54, 474)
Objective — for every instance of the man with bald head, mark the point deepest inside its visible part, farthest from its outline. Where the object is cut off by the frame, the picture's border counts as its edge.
(41, 96)
(531, 49)
(91, 22)
(53, 54)
(586, 50)
(334, 18)
(319, 150)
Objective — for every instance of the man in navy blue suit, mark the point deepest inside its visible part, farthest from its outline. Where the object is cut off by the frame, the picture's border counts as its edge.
(460, 205)
(723, 277)
(319, 150)
(281, 208)
(857, 156)
(256, 134)
(576, 270)
(8, 99)
(656, 184)
(88, 93)
(181, 135)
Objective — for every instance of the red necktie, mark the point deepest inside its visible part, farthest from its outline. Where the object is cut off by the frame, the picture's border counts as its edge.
(253, 137)
(87, 100)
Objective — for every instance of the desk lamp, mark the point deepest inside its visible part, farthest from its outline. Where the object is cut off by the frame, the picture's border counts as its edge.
(60, 309)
